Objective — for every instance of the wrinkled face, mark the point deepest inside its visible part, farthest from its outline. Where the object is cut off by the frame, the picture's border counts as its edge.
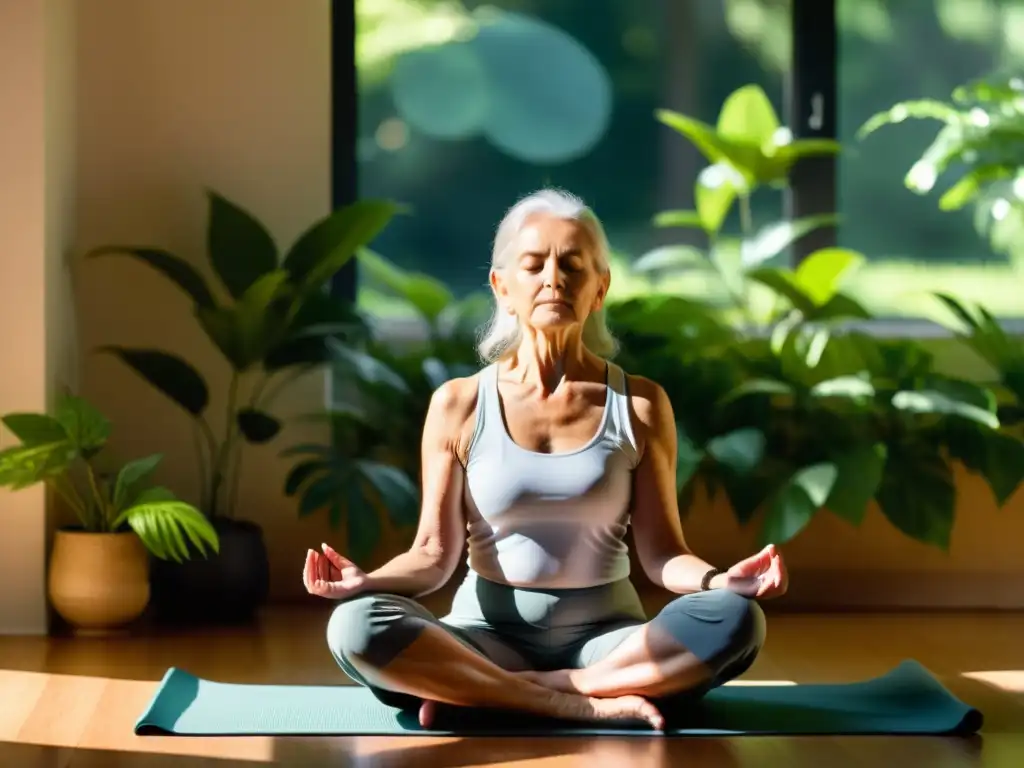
(551, 280)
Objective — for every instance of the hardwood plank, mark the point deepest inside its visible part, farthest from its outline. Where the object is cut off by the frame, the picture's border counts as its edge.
(72, 702)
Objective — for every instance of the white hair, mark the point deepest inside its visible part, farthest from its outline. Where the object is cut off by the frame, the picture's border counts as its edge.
(503, 332)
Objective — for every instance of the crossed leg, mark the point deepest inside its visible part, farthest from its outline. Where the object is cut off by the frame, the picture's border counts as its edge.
(407, 658)
(695, 643)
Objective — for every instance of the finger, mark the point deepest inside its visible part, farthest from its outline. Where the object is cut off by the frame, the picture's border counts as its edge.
(324, 567)
(336, 559)
(308, 575)
(753, 565)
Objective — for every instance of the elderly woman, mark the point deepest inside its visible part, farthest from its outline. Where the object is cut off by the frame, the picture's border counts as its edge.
(539, 463)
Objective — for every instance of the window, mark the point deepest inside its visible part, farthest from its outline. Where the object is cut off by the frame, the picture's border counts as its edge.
(890, 52)
(463, 106)
(466, 106)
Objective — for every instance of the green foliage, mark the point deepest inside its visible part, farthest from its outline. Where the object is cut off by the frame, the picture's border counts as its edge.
(746, 149)
(780, 402)
(382, 392)
(276, 322)
(820, 418)
(62, 451)
(982, 135)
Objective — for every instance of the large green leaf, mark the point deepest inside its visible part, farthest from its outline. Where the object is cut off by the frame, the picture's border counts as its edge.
(35, 428)
(909, 110)
(256, 426)
(706, 139)
(771, 387)
(167, 373)
(857, 388)
(859, 475)
(364, 368)
(261, 316)
(327, 246)
(131, 476)
(678, 219)
(996, 456)
(918, 494)
(774, 238)
(24, 466)
(398, 494)
(302, 472)
(820, 275)
(747, 116)
(86, 428)
(688, 459)
(240, 248)
(221, 326)
(180, 272)
(324, 491)
(672, 259)
(797, 502)
(933, 402)
(427, 295)
(741, 450)
(163, 524)
(714, 194)
(783, 282)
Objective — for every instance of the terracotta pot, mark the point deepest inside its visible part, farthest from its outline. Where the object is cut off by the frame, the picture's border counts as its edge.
(98, 581)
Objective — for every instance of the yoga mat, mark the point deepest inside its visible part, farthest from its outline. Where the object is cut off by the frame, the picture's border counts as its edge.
(906, 700)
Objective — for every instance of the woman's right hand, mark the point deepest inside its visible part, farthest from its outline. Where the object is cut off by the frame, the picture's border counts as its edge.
(330, 575)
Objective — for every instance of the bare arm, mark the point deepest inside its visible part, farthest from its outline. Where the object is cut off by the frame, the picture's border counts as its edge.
(436, 549)
(657, 530)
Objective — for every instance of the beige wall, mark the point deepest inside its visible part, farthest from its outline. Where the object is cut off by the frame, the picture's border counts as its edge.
(175, 97)
(171, 97)
(36, 218)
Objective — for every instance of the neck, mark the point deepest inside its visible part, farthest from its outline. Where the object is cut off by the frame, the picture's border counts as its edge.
(547, 361)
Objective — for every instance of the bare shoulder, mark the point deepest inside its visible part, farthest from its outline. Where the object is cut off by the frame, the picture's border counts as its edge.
(651, 408)
(451, 415)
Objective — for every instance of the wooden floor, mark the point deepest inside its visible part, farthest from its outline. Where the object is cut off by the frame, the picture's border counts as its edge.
(72, 702)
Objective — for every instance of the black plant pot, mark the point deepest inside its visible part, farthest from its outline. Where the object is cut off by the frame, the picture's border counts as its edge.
(225, 587)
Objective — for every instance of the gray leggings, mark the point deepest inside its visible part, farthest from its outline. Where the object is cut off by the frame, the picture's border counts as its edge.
(543, 629)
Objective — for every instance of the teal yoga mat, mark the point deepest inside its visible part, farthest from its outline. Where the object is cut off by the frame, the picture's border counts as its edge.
(906, 700)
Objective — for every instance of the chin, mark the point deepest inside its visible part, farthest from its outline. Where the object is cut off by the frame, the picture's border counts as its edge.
(553, 316)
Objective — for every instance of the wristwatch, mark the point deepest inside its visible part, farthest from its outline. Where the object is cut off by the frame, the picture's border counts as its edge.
(705, 583)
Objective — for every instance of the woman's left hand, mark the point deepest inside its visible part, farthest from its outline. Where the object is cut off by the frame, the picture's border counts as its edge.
(762, 576)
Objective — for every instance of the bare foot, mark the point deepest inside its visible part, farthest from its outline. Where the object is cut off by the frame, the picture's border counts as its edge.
(621, 708)
(557, 680)
(575, 707)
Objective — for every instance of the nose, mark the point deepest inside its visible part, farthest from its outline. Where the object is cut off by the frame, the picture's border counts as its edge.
(553, 274)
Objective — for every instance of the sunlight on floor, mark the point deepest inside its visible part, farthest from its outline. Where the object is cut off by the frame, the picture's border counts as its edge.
(98, 713)
(1010, 680)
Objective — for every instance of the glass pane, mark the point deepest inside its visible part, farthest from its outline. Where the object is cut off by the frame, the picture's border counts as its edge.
(915, 49)
(466, 107)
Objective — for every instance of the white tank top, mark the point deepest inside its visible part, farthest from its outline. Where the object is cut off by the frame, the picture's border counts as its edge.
(550, 520)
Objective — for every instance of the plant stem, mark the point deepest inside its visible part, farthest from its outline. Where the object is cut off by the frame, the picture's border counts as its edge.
(746, 216)
(220, 468)
(235, 481)
(278, 388)
(101, 503)
(197, 442)
(209, 501)
(66, 490)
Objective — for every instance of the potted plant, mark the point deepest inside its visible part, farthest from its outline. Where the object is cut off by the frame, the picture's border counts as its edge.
(98, 572)
(272, 321)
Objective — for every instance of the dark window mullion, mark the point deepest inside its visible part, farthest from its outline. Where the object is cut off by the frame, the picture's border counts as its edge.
(344, 104)
(811, 96)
